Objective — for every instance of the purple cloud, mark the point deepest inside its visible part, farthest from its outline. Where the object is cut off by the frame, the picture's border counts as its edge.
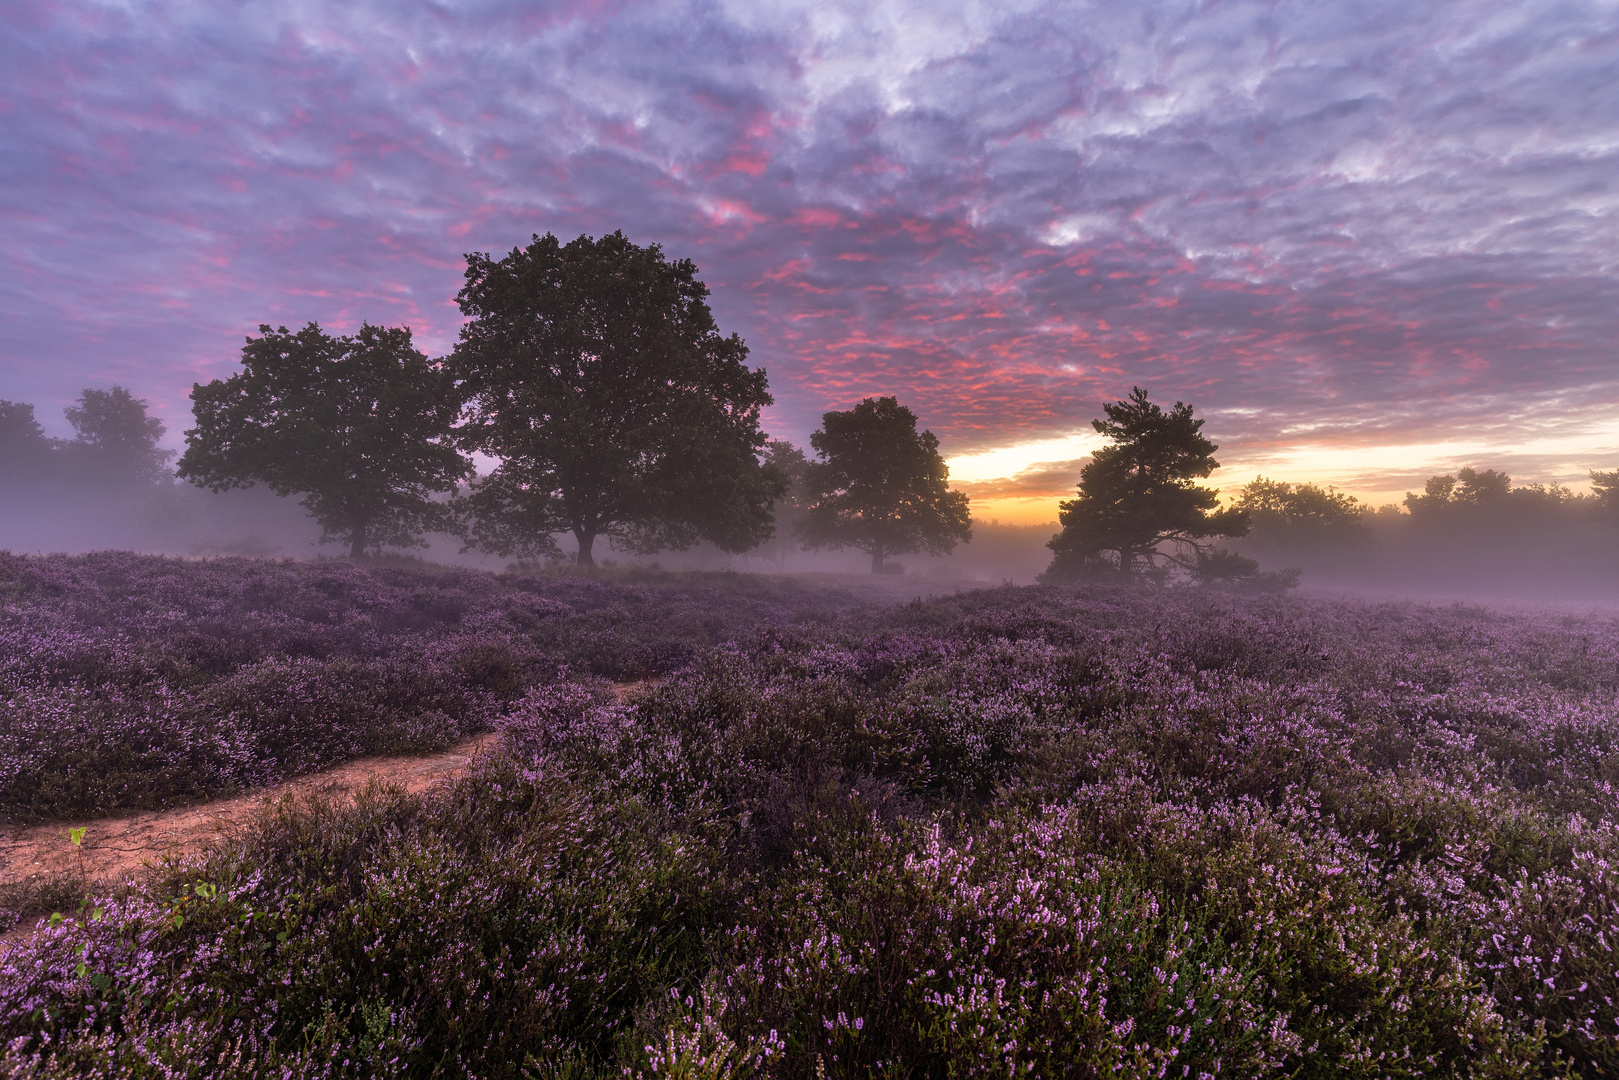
(1347, 224)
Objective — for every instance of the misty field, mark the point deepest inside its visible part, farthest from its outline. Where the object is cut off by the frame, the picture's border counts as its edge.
(1038, 831)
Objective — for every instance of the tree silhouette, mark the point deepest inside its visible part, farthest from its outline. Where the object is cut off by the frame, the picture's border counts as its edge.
(360, 426)
(791, 510)
(880, 487)
(596, 375)
(1469, 487)
(117, 441)
(1303, 516)
(1605, 491)
(25, 452)
(1138, 494)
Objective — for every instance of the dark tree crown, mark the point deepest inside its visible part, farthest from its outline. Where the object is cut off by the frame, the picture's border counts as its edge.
(880, 486)
(596, 375)
(359, 426)
(116, 441)
(25, 452)
(1138, 493)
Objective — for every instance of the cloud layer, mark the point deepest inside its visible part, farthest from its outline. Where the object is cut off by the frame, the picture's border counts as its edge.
(1341, 226)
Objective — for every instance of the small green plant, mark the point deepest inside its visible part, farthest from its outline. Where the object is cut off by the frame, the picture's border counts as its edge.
(191, 896)
(694, 1046)
(75, 836)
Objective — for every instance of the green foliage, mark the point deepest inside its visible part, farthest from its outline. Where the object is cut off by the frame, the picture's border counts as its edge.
(1137, 494)
(598, 377)
(26, 900)
(358, 425)
(880, 487)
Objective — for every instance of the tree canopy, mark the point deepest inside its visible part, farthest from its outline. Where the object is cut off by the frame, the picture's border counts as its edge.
(1605, 490)
(117, 442)
(1469, 487)
(880, 487)
(597, 376)
(1302, 516)
(1138, 494)
(25, 452)
(359, 426)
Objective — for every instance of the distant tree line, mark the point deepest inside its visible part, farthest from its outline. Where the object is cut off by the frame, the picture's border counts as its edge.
(1140, 515)
(1472, 506)
(115, 446)
(595, 377)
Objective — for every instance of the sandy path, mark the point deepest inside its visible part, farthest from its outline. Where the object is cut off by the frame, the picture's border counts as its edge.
(117, 849)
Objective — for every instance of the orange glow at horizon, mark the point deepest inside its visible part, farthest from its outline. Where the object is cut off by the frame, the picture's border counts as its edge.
(1023, 484)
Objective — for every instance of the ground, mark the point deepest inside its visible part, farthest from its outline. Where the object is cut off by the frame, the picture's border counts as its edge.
(116, 850)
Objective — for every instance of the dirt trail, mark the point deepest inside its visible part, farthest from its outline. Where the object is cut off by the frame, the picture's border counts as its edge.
(117, 849)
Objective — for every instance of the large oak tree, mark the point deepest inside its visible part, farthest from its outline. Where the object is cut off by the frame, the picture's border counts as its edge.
(1139, 493)
(597, 377)
(359, 426)
(880, 486)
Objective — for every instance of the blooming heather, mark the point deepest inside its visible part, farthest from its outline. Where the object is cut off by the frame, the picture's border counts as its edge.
(1018, 832)
(135, 682)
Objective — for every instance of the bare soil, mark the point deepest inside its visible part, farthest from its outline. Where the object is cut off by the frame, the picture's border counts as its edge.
(116, 850)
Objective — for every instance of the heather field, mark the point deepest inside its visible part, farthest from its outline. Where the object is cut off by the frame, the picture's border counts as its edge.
(1039, 831)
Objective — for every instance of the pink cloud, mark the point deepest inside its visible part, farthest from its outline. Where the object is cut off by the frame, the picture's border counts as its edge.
(1339, 229)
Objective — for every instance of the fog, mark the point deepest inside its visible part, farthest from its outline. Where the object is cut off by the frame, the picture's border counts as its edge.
(173, 519)
(1561, 552)
(1553, 561)
(997, 553)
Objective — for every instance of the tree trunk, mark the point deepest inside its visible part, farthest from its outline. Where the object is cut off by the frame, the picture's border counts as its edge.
(357, 538)
(587, 541)
(1127, 562)
(877, 560)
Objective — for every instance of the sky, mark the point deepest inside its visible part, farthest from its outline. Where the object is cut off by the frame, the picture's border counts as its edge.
(1368, 242)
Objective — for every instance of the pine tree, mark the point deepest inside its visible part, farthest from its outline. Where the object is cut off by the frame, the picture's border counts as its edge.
(1138, 494)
